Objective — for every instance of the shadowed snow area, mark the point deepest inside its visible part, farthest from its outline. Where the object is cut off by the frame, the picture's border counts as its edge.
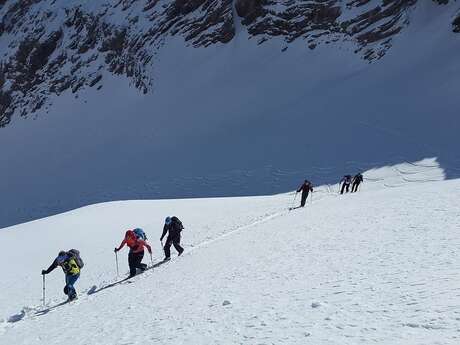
(240, 119)
(379, 266)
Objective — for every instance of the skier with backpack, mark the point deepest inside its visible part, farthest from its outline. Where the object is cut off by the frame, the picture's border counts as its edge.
(136, 241)
(356, 182)
(305, 188)
(71, 264)
(345, 181)
(173, 226)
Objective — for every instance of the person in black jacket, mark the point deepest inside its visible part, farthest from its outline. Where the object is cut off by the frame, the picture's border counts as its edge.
(305, 188)
(173, 226)
(356, 182)
(346, 181)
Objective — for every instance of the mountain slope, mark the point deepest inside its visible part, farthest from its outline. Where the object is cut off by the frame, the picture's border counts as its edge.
(220, 116)
(378, 266)
(52, 46)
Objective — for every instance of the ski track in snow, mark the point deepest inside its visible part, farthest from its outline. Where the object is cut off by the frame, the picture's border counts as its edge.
(380, 266)
(30, 312)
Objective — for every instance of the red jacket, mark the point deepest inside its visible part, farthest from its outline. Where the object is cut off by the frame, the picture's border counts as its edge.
(136, 245)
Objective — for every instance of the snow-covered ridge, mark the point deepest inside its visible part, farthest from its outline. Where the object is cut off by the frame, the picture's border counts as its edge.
(50, 47)
(377, 266)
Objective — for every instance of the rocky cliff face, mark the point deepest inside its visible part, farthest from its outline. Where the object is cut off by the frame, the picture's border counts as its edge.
(456, 24)
(54, 46)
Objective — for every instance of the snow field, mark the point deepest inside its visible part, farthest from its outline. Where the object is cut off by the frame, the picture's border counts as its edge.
(380, 266)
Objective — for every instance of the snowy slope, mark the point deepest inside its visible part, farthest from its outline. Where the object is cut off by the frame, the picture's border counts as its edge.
(238, 118)
(380, 266)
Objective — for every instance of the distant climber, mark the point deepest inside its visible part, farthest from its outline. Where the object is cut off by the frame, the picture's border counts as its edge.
(356, 182)
(173, 226)
(136, 251)
(345, 181)
(71, 264)
(305, 188)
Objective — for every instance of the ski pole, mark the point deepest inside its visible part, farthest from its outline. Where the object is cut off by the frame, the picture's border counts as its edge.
(293, 200)
(44, 289)
(311, 199)
(116, 260)
(151, 259)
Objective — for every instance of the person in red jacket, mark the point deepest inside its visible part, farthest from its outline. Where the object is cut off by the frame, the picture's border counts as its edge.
(136, 252)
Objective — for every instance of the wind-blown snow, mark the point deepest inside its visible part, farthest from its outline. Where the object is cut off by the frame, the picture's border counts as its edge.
(380, 266)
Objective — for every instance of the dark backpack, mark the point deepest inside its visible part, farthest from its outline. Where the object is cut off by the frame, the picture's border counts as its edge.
(177, 223)
(76, 255)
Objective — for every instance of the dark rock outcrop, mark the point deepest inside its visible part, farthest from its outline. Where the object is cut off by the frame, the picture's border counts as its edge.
(54, 50)
(456, 24)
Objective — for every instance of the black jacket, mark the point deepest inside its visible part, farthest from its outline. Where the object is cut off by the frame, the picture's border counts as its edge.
(358, 179)
(174, 228)
(305, 188)
(346, 179)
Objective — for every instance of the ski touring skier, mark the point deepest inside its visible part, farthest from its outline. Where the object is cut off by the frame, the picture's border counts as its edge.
(357, 179)
(345, 181)
(305, 188)
(136, 251)
(173, 227)
(71, 264)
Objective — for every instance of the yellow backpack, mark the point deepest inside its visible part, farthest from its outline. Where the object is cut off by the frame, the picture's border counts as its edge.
(70, 266)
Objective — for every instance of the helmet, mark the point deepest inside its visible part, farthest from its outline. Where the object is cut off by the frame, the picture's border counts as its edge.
(62, 256)
(168, 220)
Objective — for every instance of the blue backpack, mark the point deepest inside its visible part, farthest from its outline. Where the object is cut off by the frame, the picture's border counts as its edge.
(140, 234)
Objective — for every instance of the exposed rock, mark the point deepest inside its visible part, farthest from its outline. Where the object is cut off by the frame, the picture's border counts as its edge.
(456, 24)
(65, 49)
(95, 80)
(5, 110)
(250, 10)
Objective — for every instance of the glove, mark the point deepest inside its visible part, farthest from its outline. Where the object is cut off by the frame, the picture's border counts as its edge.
(150, 252)
(115, 250)
(43, 272)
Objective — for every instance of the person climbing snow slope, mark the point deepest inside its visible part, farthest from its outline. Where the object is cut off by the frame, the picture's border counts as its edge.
(356, 182)
(136, 252)
(71, 264)
(305, 188)
(173, 226)
(345, 181)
